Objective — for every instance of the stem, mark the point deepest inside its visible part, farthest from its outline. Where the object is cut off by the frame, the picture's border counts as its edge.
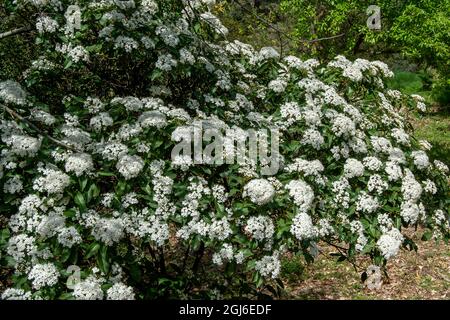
(162, 262)
(186, 255)
(14, 32)
(198, 258)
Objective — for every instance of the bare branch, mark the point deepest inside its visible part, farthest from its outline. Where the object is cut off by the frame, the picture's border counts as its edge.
(14, 32)
(326, 38)
(17, 116)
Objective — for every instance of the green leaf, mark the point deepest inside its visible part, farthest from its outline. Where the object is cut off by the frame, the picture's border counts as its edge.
(80, 201)
(83, 184)
(68, 64)
(103, 259)
(4, 236)
(93, 192)
(66, 296)
(93, 249)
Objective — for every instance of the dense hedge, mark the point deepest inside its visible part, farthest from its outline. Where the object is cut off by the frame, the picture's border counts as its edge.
(89, 185)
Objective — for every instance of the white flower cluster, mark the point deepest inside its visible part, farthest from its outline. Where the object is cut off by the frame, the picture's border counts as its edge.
(46, 24)
(260, 191)
(357, 228)
(302, 227)
(42, 275)
(377, 184)
(120, 291)
(301, 193)
(353, 168)
(345, 160)
(260, 228)
(12, 92)
(13, 185)
(22, 145)
(269, 266)
(76, 53)
(341, 195)
(390, 242)
(88, 289)
(367, 203)
(130, 166)
(53, 181)
(79, 163)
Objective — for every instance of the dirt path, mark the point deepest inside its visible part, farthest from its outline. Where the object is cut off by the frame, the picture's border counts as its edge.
(421, 275)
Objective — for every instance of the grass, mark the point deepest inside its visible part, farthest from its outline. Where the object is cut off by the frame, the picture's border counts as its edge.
(435, 128)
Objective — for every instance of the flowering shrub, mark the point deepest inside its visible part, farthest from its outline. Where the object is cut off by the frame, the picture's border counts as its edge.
(97, 209)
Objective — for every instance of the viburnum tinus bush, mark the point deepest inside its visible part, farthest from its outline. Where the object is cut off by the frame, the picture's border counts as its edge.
(97, 208)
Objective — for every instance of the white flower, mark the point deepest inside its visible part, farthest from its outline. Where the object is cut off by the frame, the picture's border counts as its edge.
(186, 57)
(79, 163)
(120, 291)
(126, 43)
(13, 185)
(377, 184)
(46, 24)
(182, 161)
(343, 126)
(69, 237)
(353, 168)
(113, 150)
(420, 101)
(324, 227)
(130, 166)
(302, 194)
(89, 289)
(23, 145)
(340, 191)
(166, 62)
(302, 227)
(53, 181)
(441, 218)
(429, 186)
(277, 85)
(442, 167)
(215, 23)
(42, 275)
(108, 230)
(400, 136)
(269, 266)
(308, 168)
(313, 138)
(101, 121)
(226, 253)
(372, 163)
(260, 227)
(12, 92)
(410, 212)
(393, 170)
(358, 228)
(77, 53)
(411, 189)
(220, 229)
(390, 242)
(420, 159)
(15, 294)
(367, 203)
(380, 144)
(260, 191)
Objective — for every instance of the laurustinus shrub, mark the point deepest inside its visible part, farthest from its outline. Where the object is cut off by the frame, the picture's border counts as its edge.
(96, 207)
